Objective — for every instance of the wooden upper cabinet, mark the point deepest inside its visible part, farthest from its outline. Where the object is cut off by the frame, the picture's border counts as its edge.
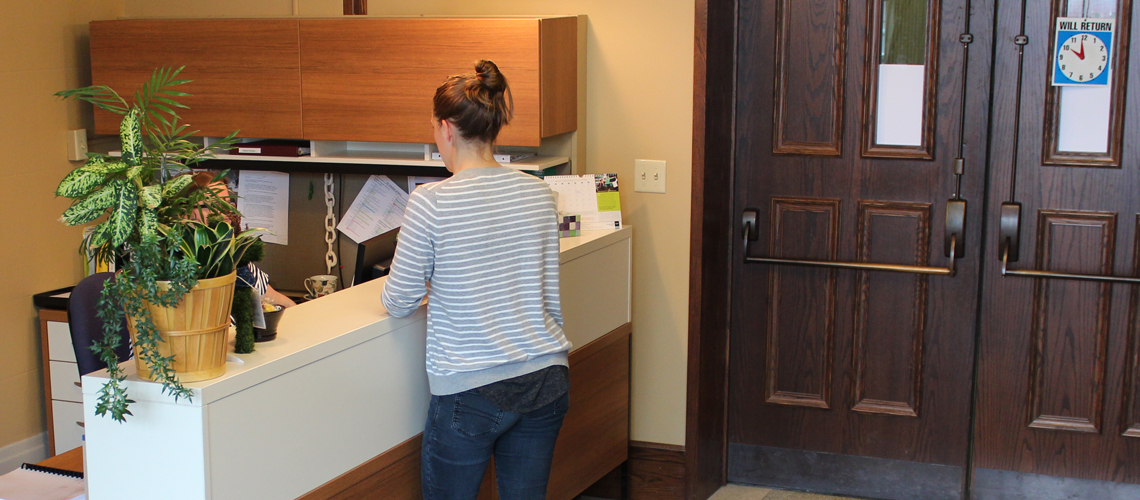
(373, 79)
(246, 73)
(353, 79)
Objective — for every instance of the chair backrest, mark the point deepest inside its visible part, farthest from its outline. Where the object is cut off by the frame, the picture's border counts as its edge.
(86, 326)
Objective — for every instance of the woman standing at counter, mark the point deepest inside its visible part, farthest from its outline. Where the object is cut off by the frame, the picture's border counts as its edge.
(486, 240)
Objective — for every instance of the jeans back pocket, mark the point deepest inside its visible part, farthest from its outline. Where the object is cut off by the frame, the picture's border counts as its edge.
(475, 416)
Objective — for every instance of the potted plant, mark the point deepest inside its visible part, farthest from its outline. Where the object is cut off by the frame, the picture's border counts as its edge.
(147, 203)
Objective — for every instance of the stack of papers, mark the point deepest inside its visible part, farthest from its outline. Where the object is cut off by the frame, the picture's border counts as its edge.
(378, 208)
(27, 484)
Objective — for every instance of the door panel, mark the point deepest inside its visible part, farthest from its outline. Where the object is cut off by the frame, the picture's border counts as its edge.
(1057, 358)
(815, 34)
(890, 309)
(867, 370)
(1066, 371)
(800, 341)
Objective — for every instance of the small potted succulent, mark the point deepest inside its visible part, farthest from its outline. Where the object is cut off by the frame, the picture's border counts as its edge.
(273, 313)
(145, 201)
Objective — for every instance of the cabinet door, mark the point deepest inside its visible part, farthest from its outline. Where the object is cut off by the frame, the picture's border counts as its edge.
(374, 79)
(245, 72)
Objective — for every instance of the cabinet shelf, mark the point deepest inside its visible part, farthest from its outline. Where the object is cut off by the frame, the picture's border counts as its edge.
(360, 162)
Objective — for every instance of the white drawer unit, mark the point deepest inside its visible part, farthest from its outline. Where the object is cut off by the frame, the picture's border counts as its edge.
(59, 341)
(63, 396)
(67, 420)
(65, 382)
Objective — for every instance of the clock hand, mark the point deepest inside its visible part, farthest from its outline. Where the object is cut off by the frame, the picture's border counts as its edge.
(1080, 54)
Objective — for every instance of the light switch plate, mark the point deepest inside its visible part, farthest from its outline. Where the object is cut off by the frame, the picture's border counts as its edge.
(649, 176)
(77, 144)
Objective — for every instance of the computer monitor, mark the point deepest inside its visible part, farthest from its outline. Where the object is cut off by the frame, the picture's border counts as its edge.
(374, 251)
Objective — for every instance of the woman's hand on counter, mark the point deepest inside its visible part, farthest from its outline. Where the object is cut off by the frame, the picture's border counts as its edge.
(278, 297)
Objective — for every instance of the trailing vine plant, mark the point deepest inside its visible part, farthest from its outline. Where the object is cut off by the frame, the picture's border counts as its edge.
(129, 294)
(147, 225)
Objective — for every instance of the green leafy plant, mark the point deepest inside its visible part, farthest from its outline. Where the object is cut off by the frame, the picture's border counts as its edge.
(146, 205)
(133, 190)
(129, 293)
(216, 249)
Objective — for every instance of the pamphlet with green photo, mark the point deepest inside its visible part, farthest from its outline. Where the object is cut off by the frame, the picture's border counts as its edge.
(593, 196)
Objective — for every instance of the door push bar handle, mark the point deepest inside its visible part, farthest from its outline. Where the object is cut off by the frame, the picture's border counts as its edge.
(955, 219)
(1008, 246)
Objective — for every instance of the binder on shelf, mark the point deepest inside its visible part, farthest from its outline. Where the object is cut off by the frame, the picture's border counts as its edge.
(499, 157)
(272, 147)
(509, 158)
(541, 174)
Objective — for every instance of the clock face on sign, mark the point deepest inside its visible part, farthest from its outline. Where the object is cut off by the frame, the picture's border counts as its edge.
(1082, 57)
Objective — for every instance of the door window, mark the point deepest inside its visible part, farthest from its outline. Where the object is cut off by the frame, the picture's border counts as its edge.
(902, 75)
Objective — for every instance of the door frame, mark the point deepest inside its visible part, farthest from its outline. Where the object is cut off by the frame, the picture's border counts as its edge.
(710, 263)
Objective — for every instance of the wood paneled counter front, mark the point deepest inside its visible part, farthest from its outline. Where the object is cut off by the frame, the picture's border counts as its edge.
(334, 407)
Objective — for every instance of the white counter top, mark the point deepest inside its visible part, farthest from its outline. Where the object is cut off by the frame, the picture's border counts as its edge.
(316, 329)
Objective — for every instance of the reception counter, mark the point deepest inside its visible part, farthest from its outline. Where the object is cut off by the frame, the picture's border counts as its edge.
(338, 401)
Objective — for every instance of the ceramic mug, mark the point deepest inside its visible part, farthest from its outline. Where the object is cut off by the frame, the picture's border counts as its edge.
(320, 285)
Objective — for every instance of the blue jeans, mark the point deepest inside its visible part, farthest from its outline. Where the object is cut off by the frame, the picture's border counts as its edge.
(464, 430)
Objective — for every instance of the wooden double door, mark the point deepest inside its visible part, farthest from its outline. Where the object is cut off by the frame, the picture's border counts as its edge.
(886, 155)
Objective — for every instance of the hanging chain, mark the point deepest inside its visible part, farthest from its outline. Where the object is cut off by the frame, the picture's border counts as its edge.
(330, 224)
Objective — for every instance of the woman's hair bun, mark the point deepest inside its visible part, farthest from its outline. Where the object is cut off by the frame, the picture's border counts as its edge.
(478, 104)
(488, 74)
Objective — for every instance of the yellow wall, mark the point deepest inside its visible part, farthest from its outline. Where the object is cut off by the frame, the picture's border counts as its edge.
(639, 105)
(43, 49)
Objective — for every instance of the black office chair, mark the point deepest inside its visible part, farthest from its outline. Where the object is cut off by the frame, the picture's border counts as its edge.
(86, 326)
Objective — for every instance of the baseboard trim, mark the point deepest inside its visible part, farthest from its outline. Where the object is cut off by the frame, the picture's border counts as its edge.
(30, 450)
(655, 471)
(990, 484)
(848, 475)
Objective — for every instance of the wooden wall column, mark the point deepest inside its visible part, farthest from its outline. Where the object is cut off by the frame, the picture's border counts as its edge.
(711, 247)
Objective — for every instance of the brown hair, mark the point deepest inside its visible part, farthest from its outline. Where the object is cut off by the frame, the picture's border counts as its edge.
(479, 103)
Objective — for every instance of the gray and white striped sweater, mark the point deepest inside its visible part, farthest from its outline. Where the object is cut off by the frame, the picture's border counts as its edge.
(487, 241)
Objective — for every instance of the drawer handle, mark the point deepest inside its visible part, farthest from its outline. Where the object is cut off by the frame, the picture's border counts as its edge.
(79, 423)
(77, 384)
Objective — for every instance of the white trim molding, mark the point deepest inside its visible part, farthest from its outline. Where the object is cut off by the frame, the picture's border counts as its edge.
(31, 450)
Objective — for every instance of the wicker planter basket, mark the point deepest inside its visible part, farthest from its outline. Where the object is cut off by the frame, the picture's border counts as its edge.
(196, 331)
